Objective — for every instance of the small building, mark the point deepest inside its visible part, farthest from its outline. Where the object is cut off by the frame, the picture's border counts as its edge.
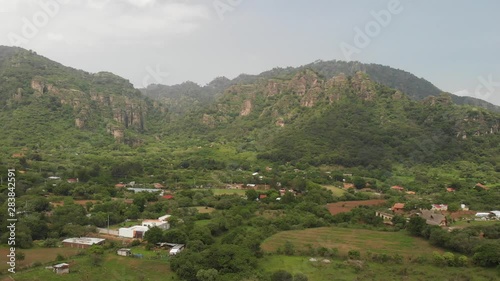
(439, 207)
(411, 192)
(450, 189)
(156, 223)
(124, 252)
(82, 242)
(136, 231)
(398, 207)
(62, 268)
(150, 190)
(464, 207)
(432, 218)
(72, 180)
(168, 196)
(176, 249)
(164, 218)
(481, 186)
(158, 185)
(397, 187)
(495, 215)
(385, 216)
(348, 185)
(262, 196)
(482, 215)
(120, 185)
(54, 178)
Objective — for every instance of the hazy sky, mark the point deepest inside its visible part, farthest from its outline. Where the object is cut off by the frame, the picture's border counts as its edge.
(453, 44)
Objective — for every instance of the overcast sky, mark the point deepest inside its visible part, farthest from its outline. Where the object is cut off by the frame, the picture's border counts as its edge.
(453, 44)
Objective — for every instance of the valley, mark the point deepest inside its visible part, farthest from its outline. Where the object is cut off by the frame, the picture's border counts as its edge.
(368, 167)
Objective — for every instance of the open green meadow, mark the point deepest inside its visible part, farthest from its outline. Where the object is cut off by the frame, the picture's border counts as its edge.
(341, 270)
(113, 267)
(337, 191)
(346, 239)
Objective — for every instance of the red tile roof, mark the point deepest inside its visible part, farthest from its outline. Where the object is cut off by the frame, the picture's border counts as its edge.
(158, 185)
(398, 206)
(481, 186)
(262, 196)
(397, 187)
(168, 196)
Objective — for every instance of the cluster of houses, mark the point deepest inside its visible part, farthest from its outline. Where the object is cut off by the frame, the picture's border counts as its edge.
(138, 231)
(436, 215)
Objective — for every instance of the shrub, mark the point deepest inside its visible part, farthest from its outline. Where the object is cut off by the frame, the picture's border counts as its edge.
(354, 255)
(135, 243)
(60, 257)
(50, 243)
(289, 248)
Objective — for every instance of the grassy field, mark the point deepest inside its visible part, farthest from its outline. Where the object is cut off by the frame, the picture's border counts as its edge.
(336, 190)
(42, 255)
(338, 270)
(204, 210)
(113, 268)
(345, 239)
(222, 191)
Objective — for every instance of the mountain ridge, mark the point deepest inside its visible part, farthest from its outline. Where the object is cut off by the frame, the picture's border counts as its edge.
(417, 88)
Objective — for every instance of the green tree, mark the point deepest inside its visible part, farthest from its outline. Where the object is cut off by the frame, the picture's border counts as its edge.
(289, 248)
(359, 182)
(487, 254)
(207, 275)
(154, 235)
(416, 225)
(281, 275)
(251, 194)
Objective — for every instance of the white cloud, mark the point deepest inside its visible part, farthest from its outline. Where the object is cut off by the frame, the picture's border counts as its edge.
(55, 36)
(142, 3)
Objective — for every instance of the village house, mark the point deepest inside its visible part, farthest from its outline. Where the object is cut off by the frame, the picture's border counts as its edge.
(450, 189)
(439, 207)
(432, 218)
(481, 186)
(62, 268)
(348, 185)
(72, 180)
(385, 216)
(82, 242)
(158, 185)
(124, 252)
(156, 223)
(398, 207)
(397, 187)
(138, 231)
(410, 192)
(176, 249)
(120, 185)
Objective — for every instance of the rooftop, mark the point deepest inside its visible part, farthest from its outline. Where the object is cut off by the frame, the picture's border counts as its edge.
(84, 240)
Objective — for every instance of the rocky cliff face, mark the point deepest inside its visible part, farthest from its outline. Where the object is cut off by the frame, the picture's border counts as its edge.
(280, 101)
(122, 112)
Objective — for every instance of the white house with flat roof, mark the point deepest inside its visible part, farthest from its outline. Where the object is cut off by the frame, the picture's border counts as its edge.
(136, 231)
(82, 242)
(158, 223)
